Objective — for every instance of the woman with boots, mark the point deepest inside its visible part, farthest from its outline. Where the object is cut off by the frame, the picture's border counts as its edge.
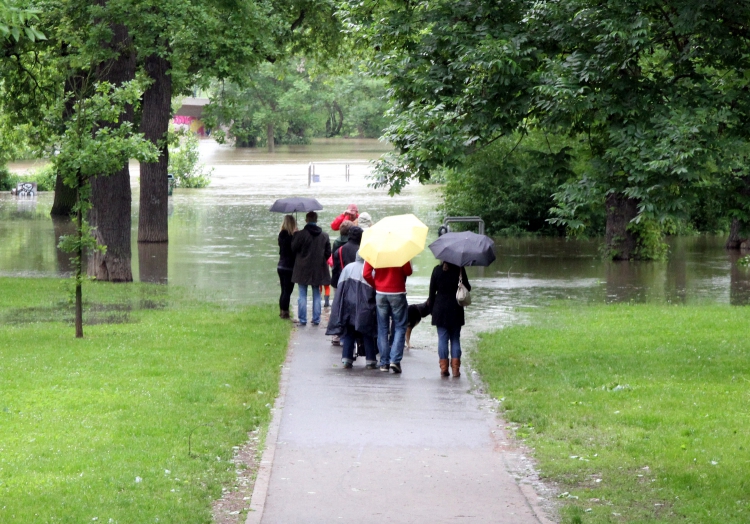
(286, 263)
(447, 314)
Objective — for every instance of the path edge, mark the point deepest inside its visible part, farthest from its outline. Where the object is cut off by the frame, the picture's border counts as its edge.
(263, 478)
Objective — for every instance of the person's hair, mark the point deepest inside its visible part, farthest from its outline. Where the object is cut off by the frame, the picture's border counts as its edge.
(311, 216)
(289, 224)
(346, 225)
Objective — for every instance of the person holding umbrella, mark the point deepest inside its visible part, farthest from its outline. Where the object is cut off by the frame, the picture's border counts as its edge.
(311, 247)
(454, 250)
(285, 266)
(447, 314)
(388, 248)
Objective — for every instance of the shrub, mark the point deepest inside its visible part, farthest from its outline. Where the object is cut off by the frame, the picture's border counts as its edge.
(510, 184)
(44, 177)
(184, 163)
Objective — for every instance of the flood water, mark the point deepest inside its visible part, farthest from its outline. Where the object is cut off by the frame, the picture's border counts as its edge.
(223, 241)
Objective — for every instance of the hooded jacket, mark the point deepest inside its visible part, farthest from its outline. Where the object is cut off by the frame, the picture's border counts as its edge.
(312, 248)
(354, 303)
(345, 254)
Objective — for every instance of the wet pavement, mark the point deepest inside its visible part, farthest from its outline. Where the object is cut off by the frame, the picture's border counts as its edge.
(365, 446)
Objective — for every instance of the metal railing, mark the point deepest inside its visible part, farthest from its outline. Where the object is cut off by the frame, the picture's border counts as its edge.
(449, 220)
(312, 177)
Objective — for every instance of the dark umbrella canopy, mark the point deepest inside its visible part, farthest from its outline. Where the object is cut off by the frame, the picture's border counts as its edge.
(295, 204)
(464, 249)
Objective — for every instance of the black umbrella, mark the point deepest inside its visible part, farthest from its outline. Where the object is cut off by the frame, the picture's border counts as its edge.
(295, 204)
(464, 249)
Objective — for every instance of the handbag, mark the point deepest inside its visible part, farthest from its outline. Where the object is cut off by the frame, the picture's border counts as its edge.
(463, 297)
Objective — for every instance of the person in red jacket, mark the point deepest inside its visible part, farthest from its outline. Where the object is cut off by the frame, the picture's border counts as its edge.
(390, 298)
(351, 213)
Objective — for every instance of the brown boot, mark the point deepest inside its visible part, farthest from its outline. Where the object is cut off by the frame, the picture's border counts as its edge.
(444, 368)
(284, 314)
(456, 364)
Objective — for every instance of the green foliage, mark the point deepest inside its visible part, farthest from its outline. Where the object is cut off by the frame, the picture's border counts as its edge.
(299, 102)
(510, 184)
(44, 177)
(635, 412)
(90, 416)
(651, 244)
(184, 163)
(16, 22)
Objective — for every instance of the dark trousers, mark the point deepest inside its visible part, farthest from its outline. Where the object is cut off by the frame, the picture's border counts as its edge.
(287, 286)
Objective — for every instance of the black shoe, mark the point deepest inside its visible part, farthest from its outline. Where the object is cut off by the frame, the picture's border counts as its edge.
(327, 304)
(384, 368)
(347, 365)
(396, 368)
(371, 366)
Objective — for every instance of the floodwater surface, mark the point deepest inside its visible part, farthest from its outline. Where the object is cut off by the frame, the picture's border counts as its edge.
(223, 240)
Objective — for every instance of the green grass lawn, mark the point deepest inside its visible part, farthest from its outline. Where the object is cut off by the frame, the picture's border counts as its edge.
(640, 413)
(97, 429)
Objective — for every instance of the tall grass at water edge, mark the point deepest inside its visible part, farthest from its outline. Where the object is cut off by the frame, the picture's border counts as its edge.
(639, 413)
(98, 429)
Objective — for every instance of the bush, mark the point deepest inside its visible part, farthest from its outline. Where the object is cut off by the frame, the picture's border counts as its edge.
(184, 163)
(510, 184)
(44, 177)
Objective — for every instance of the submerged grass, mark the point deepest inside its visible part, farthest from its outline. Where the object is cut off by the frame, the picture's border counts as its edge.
(99, 428)
(640, 413)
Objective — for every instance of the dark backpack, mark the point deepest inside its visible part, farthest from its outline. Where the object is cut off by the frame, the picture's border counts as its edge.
(338, 266)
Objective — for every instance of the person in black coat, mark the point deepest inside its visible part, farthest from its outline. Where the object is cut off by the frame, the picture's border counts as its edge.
(312, 248)
(447, 314)
(286, 263)
(346, 253)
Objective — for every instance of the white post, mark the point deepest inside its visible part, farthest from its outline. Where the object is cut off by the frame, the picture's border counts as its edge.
(309, 174)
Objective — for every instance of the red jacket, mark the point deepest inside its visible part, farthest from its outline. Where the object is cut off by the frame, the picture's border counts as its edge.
(336, 224)
(387, 279)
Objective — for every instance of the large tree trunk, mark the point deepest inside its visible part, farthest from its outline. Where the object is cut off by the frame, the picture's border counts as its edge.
(621, 243)
(735, 240)
(65, 197)
(110, 195)
(157, 108)
(269, 137)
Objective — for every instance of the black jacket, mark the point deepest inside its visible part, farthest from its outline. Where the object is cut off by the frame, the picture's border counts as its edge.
(312, 249)
(443, 286)
(286, 255)
(346, 254)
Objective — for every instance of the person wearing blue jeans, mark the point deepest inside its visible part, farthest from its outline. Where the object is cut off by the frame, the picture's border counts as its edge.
(447, 314)
(311, 248)
(391, 307)
(390, 298)
(348, 342)
(302, 305)
(446, 336)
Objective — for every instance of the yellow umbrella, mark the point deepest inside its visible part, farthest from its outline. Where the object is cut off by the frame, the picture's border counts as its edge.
(393, 241)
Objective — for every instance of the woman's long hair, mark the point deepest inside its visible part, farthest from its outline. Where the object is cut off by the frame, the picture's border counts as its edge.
(289, 224)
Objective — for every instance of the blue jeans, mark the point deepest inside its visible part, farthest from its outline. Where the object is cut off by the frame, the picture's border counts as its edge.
(302, 304)
(395, 307)
(348, 342)
(452, 335)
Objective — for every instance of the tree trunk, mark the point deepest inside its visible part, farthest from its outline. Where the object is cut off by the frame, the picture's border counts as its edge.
(110, 195)
(269, 138)
(735, 240)
(157, 109)
(65, 197)
(621, 243)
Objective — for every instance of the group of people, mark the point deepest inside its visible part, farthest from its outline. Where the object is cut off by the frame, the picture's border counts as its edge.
(370, 309)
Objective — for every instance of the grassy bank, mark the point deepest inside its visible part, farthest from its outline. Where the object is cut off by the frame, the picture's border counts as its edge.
(98, 429)
(640, 413)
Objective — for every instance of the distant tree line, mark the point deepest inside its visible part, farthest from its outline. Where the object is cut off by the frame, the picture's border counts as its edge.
(292, 101)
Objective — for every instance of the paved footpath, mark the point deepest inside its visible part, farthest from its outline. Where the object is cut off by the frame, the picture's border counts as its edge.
(361, 446)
